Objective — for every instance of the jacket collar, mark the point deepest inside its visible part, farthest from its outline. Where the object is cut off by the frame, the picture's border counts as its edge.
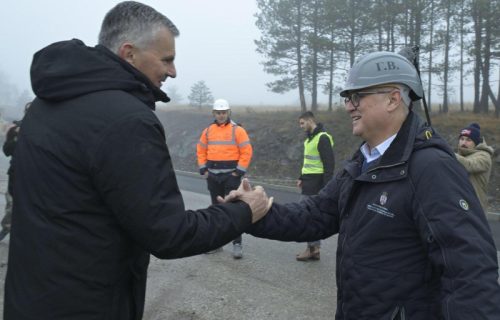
(319, 128)
(229, 121)
(402, 146)
(413, 135)
(398, 152)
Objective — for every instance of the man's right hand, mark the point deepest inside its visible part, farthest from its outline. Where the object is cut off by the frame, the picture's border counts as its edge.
(256, 198)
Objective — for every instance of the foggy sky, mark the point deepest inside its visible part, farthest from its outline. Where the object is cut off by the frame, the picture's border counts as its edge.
(216, 45)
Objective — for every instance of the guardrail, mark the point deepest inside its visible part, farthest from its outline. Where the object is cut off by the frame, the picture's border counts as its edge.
(254, 181)
(490, 215)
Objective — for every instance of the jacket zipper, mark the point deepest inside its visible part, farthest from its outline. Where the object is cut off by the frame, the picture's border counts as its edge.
(345, 237)
(398, 313)
(340, 272)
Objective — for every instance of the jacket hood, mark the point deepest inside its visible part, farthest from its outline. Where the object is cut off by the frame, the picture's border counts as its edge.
(68, 69)
(319, 128)
(485, 147)
(416, 131)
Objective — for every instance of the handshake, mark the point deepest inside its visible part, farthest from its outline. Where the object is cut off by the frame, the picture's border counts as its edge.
(256, 198)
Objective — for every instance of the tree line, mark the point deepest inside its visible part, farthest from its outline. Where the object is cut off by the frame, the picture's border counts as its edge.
(310, 44)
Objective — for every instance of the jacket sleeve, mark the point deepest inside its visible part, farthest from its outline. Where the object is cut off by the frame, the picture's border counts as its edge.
(475, 163)
(201, 152)
(311, 219)
(245, 149)
(325, 150)
(457, 238)
(132, 171)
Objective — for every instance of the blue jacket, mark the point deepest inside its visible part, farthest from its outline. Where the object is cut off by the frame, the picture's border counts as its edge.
(413, 240)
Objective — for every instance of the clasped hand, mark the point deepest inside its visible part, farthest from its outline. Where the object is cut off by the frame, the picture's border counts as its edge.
(256, 198)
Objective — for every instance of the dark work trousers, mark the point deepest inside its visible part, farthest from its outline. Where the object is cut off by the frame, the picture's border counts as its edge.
(220, 185)
(311, 185)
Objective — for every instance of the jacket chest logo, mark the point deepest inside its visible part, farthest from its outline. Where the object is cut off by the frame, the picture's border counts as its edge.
(379, 208)
(383, 198)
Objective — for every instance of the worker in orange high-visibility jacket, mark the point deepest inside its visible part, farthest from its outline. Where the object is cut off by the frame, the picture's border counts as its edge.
(224, 154)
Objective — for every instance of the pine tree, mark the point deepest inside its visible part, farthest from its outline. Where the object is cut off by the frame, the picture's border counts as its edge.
(200, 95)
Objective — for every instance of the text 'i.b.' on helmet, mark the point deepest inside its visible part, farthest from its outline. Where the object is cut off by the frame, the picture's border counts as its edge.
(383, 67)
(221, 105)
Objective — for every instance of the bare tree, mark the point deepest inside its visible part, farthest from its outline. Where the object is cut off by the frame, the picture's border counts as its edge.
(200, 95)
(431, 51)
(446, 36)
(477, 17)
(462, 46)
(486, 54)
(281, 43)
(305, 42)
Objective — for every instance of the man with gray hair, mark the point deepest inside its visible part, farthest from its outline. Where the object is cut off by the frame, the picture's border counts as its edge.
(413, 240)
(98, 191)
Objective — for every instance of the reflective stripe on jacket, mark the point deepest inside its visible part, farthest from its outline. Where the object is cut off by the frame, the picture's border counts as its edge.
(312, 160)
(223, 148)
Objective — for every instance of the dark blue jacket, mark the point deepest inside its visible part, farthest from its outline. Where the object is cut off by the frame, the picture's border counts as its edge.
(98, 193)
(413, 240)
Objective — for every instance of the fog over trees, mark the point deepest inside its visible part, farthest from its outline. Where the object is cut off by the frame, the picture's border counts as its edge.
(304, 42)
(283, 52)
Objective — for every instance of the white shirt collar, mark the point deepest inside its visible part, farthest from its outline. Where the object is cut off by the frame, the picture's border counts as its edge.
(378, 151)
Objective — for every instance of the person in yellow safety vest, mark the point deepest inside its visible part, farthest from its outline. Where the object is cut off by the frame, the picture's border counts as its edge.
(224, 154)
(317, 169)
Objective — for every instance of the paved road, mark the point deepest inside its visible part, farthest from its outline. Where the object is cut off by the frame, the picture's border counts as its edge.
(266, 284)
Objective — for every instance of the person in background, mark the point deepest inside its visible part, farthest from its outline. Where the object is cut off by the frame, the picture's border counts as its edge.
(8, 149)
(413, 239)
(224, 153)
(475, 155)
(317, 169)
(95, 192)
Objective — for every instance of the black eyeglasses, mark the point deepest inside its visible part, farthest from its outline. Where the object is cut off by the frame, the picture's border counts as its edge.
(355, 97)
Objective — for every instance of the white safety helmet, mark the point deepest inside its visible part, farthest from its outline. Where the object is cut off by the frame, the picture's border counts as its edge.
(221, 105)
(378, 68)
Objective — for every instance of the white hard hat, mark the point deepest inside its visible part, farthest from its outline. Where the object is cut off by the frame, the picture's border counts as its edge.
(221, 105)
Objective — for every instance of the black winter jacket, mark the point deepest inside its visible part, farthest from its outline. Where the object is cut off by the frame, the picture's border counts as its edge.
(99, 192)
(413, 239)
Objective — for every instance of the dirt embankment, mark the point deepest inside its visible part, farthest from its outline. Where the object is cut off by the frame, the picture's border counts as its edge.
(277, 140)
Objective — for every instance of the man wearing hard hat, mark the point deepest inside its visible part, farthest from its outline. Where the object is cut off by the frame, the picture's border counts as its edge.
(224, 153)
(413, 239)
